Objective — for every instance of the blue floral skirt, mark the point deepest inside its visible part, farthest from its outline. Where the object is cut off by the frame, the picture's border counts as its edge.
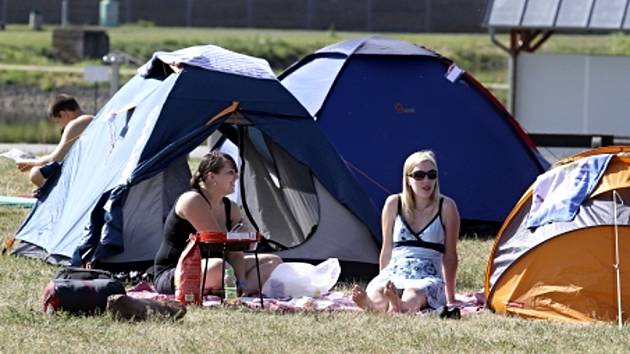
(416, 273)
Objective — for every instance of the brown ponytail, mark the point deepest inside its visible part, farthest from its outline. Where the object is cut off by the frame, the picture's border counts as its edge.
(196, 180)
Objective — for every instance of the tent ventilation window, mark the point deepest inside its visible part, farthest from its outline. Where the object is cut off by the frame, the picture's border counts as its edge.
(118, 127)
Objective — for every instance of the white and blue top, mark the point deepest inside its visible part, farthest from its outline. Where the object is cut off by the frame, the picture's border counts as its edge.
(416, 260)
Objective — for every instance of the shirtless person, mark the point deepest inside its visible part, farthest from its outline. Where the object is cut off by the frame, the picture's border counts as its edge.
(65, 111)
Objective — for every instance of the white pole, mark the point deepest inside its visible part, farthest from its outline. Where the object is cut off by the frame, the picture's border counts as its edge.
(114, 59)
(115, 77)
(617, 270)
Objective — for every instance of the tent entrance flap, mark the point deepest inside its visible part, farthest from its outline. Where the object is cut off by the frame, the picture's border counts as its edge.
(277, 190)
(284, 199)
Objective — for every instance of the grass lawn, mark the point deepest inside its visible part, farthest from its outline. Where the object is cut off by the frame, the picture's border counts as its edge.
(27, 329)
(473, 52)
(19, 45)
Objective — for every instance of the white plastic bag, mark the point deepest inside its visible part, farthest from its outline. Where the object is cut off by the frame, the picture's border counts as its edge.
(302, 279)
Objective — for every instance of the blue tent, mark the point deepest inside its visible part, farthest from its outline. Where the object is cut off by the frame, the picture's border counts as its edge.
(379, 100)
(121, 177)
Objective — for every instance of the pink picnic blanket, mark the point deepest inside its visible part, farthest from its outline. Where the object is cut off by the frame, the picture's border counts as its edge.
(332, 301)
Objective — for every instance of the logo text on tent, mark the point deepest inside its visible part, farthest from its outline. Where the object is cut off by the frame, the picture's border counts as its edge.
(400, 108)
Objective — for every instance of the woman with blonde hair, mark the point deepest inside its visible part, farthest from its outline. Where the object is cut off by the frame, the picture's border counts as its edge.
(418, 260)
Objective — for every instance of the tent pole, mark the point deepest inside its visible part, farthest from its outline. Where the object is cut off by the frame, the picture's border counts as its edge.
(616, 266)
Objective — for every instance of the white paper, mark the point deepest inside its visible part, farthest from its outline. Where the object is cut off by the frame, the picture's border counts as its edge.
(17, 155)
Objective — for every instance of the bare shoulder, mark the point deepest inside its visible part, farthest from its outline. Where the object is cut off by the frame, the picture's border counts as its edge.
(188, 200)
(84, 118)
(392, 200)
(391, 203)
(449, 206)
(77, 125)
(189, 197)
(449, 202)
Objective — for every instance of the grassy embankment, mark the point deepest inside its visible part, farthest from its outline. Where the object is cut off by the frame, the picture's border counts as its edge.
(223, 330)
(474, 53)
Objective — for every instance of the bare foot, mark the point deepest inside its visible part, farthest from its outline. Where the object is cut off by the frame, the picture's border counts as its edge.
(359, 296)
(391, 294)
(34, 193)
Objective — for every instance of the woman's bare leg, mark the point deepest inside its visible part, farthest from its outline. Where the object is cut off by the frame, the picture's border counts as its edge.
(413, 300)
(266, 262)
(213, 274)
(372, 298)
(390, 291)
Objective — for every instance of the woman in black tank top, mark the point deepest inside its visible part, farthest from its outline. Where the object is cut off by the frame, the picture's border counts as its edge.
(207, 208)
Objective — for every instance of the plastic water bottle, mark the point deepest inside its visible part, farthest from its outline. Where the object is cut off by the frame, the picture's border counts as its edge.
(229, 285)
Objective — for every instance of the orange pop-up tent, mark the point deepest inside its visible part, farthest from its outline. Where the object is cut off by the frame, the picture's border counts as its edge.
(576, 270)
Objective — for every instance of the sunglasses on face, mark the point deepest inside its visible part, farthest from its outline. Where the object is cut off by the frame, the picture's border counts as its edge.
(419, 175)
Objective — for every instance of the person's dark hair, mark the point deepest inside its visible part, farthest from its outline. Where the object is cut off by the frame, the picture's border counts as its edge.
(211, 162)
(62, 102)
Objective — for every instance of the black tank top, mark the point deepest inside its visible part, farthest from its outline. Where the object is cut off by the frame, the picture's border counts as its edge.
(176, 231)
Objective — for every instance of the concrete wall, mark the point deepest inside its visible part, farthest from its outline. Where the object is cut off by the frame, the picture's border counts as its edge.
(342, 15)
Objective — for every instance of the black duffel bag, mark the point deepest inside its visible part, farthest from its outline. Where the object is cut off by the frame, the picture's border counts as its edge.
(82, 273)
(80, 291)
